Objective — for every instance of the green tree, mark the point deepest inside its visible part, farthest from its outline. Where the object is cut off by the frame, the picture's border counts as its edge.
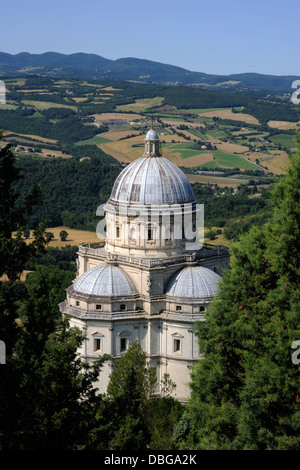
(211, 234)
(47, 395)
(145, 375)
(121, 419)
(26, 233)
(14, 251)
(162, 415)
(49, 236)
(63, 235)
(244, 391)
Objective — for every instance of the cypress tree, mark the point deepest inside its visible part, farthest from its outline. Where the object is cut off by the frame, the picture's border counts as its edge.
(245, 391)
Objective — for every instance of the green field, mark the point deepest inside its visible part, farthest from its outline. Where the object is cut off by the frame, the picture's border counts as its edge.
(197, 133)
(216, 134)
(210, 165)
(286, 140)
(183, 145)
(47, 104)
(233, 161)
(202, 110)
(190, 153)
(175, 117)
(94, 141)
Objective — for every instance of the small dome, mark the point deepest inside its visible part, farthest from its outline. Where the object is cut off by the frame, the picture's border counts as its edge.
(104, 280)
(194, 282)
(152, 180)
(151, 135)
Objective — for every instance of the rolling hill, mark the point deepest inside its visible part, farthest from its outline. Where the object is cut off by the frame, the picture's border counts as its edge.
(92, 66)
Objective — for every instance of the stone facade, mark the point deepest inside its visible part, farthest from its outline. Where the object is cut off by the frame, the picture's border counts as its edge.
(135, 293)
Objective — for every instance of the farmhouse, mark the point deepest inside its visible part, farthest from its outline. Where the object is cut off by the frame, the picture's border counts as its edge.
(151, 279)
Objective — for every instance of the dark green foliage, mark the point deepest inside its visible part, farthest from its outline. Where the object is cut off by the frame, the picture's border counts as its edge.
(57, 113)
(69, 129)
(68, 185)
(162, 415)
(234, 230)
(131, 417)
(48, 401)
(189, 98)
(64, 258)
(47, 393)
(264, 110)
(127, 427)
(211, 235)
(14, 251)
(63, 235)
(226, 206)
(244, 391)
(49, 236)
(121, 423)
(145, 375)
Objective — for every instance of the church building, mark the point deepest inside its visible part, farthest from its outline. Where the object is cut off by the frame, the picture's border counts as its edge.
(151, 279)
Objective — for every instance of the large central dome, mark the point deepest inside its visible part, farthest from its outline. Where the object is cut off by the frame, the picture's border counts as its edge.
(152, 179)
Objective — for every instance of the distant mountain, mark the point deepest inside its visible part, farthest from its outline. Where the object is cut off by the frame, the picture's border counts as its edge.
(92, 66)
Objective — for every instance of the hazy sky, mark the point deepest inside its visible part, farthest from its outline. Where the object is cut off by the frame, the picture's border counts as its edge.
(212, 36)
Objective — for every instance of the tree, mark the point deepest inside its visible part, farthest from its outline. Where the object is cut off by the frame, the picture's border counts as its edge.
(63, 235)
(14, 251)
(145, 375)
(211, 234)
(49, 236)
(162, 415)
(244, 392)
(26, 233)
(47, 395)
(121, 422)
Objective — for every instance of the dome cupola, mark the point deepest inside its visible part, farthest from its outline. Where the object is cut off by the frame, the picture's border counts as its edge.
(152, 179)
(194, 283)
(150, 203)
(104, 280)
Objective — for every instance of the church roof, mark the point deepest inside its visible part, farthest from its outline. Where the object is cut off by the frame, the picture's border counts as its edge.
(151, 135)
(196, 282)
(104, 280)
(152, 180)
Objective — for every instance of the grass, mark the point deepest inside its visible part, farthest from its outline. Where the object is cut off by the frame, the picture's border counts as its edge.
(47, 104)
(286, 140)
(219, 180)
(75, 237)
(197, 133)
(94, 141)
(202, 110)
(210, 165)
(141, 105)
(174, 117)
(228, 160)
(190, 153)
(183, 145)
(216, 134)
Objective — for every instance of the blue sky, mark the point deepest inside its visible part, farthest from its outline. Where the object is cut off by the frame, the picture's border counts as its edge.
(219, 36)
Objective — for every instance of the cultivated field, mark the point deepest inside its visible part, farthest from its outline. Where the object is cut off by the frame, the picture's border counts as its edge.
(75, 237)
(141, 105)
(126, 117)
(220, 181)
(117, 135)
(228, 114)
(47, 105)
(284, 125)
